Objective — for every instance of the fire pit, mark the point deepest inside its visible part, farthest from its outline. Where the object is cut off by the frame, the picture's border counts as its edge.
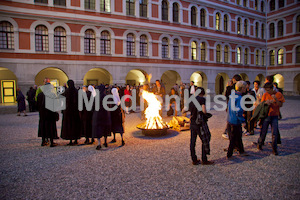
(154, 126)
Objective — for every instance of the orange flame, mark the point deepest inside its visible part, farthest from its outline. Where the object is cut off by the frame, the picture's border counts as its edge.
(154, 120)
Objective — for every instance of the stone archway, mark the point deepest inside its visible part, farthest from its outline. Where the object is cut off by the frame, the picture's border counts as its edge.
(260, 78)
(136, 77)
(221, 83)
(278, 78)
(200, 79)
(296, 83)
(8, 84)
(57, 76)
(169, 79)
(244, 76)
(97, 76)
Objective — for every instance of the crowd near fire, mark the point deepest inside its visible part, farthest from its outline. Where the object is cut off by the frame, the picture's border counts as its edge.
(96, 112)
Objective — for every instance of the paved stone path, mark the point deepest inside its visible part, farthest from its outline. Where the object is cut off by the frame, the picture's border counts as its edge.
(147, 168)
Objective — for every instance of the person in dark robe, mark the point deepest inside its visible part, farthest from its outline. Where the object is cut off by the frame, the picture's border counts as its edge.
(47, 122)
(117, 117)
(31, 99)
(71, 121)
(21, 103)
(101, 123)
(86, 119)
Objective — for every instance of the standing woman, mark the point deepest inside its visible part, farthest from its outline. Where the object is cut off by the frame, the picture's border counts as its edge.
(21, 102)
(101, 124)
(117, 117)
(127, 99)
(70, 129)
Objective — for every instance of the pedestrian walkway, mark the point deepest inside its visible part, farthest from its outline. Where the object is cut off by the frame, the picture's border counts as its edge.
(147, 167)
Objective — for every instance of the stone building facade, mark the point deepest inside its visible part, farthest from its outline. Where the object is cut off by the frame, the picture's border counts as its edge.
(124, 41)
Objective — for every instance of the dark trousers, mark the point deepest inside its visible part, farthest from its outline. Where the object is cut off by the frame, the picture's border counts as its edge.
(249, 124)
(235, 138)
(195, 131)
(273, 121)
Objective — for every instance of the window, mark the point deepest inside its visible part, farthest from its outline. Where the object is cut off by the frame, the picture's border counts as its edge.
(176, 49)
(272, 32)
(239, 26)
(59, 2)
(89, 41)
(246, 27)
(262, 31)
(256, 4)
(246, 57)
(105, 5)
(218, 21)
(256, 29)
(245, 3)
(41, 1)
(194, 50)
(202, 17)
(193, 16)
(262, 6)
(164, 10)
(89, 4)
(60, 39)
(298, 24)
(41, 38)
(239, 55)
(280, 3)
(263, 58)
(218, 53)
(130, 45)
(203, 51)
(257, 57)
(238, 2)
(225, 22)
(175, 12)
(165, 48)
(130, 7)
(226, 54)
(105, 43)
(272, 5)
(6, 35)
(143, 8)
(280, 57)
(298, 54)
(143, 46)
(280, 28)
(272, 57)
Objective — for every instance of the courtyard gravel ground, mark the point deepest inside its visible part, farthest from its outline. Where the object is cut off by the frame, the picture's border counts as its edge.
(147, 167)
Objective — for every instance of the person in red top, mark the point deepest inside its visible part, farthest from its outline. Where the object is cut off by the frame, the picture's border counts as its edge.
(127, 99)
(275, 100)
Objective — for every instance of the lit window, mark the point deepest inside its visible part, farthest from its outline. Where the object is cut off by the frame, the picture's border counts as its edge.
(245, 3)
(239, 26)
(280, 57)
(246, 57)
(226, 54)
(105, 5)
(239, 55)
(203, 51)
(272, 57)
(257, 57)
(218, 21)
(218, 53)
(194, 50)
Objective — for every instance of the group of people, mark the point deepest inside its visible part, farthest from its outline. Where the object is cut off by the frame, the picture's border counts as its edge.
(268, 101)
(94, 123)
